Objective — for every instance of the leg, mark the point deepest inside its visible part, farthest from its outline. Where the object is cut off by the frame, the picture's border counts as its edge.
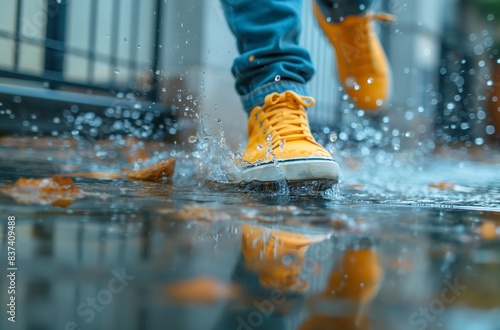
(361, 62)
(271, 73)
(267, 33)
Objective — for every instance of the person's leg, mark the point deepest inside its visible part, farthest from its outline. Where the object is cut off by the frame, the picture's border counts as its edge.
(267, 33)
(271, 73)
(361, 62)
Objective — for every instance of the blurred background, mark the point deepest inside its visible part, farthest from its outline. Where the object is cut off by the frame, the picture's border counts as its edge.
(153, 68)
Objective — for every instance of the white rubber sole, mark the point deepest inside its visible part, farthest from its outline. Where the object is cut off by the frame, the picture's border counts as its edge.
(301, 169)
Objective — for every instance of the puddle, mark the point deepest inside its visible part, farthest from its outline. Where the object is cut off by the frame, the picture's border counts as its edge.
(390, 247)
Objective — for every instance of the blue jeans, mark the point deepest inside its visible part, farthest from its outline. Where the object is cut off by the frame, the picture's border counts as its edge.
(267, 33)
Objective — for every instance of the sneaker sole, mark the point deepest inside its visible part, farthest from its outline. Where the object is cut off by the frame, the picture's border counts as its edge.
(303, 169)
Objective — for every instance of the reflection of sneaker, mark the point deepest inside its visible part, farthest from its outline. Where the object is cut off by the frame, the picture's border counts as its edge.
(277, 256)
(361, 62)
(279, 134)
(350, 287)
(358, 277)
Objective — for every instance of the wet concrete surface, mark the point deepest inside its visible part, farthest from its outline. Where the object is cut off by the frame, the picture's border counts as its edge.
(389, 248)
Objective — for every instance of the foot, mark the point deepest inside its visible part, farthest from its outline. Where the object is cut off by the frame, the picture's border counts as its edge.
(281, 146)
(264, 250)
(361, 62)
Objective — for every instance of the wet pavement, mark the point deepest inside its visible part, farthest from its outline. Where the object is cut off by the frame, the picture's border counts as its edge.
(396, 245)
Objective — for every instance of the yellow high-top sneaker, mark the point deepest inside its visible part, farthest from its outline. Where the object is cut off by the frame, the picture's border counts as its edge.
(361, 62)
(277, 256)
(357, 280)
(279, 134)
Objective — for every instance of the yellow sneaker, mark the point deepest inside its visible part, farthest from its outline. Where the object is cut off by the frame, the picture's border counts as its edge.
(356, 279)
(279, 134)
(277, 256)
(361, 61)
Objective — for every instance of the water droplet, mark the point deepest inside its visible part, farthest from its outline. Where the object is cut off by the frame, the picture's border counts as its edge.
(189, 97)
(277, 78)
(117, 71)
(269, 138)
(328, 19)
(259, 147)
(349, 82)
(286, 260)
(370, 80)
(138, 46)
(192, 139)
(125, 40)
(333, 137)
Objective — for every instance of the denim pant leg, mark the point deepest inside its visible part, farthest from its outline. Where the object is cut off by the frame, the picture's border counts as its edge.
(267, 33)
(337, 9)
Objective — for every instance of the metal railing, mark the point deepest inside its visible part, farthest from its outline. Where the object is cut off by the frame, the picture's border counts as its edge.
(56, 49)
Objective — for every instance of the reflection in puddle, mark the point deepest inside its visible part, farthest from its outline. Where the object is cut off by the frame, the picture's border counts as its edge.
(391, 253)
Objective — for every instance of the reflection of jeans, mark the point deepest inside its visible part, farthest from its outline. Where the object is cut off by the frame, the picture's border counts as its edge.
(267, 32)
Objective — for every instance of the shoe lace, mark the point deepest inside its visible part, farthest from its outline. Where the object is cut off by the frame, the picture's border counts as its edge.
(284, 118)
(356, 47)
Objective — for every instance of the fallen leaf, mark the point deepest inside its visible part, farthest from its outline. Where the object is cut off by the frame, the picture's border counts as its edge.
(55, 191)
(93, 175)
(156, 172)
(443, 185)
(450, 186)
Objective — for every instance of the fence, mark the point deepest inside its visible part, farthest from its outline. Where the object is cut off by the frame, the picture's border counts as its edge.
(60, 51)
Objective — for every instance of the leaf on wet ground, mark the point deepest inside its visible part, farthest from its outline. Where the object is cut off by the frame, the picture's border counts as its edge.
(444, 185)
(157, 172)
(57, 191)
(163, 170)
(94, 175)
